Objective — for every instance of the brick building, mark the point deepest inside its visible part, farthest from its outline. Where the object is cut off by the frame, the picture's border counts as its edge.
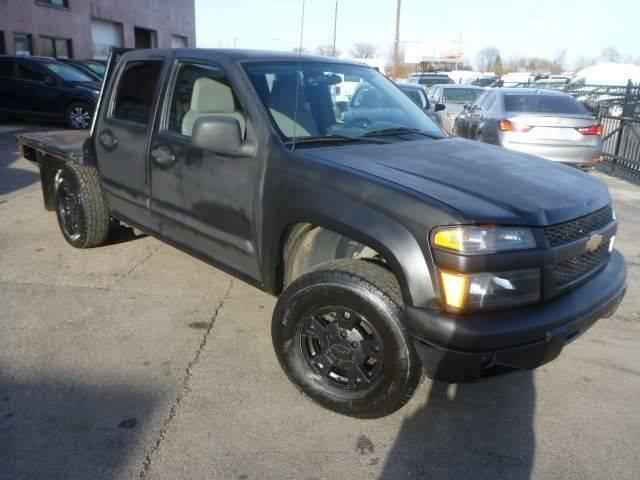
(87, 28)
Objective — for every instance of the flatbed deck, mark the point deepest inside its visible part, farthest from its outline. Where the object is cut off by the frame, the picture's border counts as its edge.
(65, 145)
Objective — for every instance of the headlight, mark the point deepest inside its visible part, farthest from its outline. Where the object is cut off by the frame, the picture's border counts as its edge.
(476, 291)
(481, 240)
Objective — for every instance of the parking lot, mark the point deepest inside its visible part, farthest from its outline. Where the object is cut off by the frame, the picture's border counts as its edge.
(135, 360)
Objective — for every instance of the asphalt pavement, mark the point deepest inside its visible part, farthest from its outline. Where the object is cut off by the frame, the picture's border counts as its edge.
(134, 360)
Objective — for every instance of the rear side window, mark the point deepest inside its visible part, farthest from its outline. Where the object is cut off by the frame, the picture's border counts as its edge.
(134, 96)
(27, 72)
(6, 68)
(542, 104)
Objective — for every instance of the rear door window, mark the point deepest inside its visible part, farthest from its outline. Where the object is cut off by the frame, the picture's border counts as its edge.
(135, 91)
(543, 104)
(30, 72)
(6, 68)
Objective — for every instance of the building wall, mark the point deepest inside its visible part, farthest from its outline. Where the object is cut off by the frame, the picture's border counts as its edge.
(166, 17)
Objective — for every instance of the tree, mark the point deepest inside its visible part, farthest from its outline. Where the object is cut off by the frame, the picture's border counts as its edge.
(486, 58)
(364, 50)
(328, 51)
(584, 62)
(498, 68)
(299, 50)
(610, 54)
(559, 61)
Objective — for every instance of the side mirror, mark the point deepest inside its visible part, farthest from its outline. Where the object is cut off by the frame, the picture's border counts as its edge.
(466, 107)
(50, 81)
(222, 135)
(438, 107)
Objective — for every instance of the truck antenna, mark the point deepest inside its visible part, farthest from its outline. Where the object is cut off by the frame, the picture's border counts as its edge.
(298, 75)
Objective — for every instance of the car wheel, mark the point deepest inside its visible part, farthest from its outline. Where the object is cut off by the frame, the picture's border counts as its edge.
(339, 334)
(78, 115)
(83, 215)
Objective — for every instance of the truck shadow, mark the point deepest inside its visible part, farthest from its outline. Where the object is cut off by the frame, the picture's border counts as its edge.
(482, 430)
(59, 427)
(123, 234)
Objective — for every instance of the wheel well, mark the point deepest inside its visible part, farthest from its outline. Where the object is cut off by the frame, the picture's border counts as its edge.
(305, 246)
(77, 99)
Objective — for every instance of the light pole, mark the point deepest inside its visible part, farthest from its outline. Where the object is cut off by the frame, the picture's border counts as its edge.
(396, 45)
(335, 28)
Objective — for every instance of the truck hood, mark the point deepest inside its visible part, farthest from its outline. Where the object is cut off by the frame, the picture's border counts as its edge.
(485, 183)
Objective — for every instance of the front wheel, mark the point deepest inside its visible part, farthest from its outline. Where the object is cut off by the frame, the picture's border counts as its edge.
(339, 334)
(78, 115)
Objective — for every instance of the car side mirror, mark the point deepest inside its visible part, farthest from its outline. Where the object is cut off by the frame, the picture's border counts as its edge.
(49, 81)
(438, 107)
(222, 135)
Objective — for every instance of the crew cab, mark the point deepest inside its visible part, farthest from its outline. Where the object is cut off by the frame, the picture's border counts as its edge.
(391, 246)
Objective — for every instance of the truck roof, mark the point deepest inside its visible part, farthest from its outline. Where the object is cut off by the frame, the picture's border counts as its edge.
(248, 54)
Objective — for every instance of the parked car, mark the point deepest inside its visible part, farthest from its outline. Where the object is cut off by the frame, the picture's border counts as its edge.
(44, 88)
(380, 238)
(92, 68)
(452, 97)
(546, 123)
(418, 93)
(429, 79)
(484, 81)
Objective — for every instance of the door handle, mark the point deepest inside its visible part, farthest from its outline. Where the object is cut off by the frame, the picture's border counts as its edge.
(163, 155)
(108, 140)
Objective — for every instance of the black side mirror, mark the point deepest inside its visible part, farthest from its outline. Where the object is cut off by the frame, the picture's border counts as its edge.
(221, 134)
(438, 107)
(50, 81)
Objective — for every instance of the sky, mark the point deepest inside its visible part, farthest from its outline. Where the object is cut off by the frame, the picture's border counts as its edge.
(522, 28)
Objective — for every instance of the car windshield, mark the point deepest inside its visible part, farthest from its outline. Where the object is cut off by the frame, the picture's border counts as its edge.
(430, 81)
(461, 95)
(67, 73)
(311, 101)
(543, 104)
(96, 68)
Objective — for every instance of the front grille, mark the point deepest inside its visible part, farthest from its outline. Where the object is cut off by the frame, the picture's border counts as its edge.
(579, 228)
(574, 268)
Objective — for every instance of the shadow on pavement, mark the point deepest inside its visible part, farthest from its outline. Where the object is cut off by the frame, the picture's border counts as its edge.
(123, 234)
(62, 428)
(481, 430)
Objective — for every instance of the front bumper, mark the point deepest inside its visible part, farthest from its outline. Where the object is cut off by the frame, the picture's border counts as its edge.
(464, 348)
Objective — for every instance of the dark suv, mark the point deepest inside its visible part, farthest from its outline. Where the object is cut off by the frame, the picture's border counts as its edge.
(41, 87)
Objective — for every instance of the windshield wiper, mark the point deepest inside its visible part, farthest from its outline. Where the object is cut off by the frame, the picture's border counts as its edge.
(333, 139)
(399, 131)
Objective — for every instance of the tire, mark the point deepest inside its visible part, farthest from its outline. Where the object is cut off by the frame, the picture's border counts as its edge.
(83, 215)
(78, 115)
(339, 335)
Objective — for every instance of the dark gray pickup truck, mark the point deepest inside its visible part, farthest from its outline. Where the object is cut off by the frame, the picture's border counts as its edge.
(391, 245)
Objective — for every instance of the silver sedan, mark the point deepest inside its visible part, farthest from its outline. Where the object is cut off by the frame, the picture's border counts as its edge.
(545, 123)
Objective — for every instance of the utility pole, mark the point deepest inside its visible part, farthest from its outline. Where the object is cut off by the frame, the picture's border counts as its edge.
(458, 54)
(335, 29)
(235, 41)
(396, 45)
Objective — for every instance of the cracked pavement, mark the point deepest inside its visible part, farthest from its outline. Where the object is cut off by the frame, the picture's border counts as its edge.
(134, 360)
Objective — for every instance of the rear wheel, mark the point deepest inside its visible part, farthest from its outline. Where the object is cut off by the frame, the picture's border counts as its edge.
(78, 115)
(83, 215)
(339, 335)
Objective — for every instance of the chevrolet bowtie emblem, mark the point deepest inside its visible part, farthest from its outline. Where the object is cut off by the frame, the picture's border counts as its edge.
(594, 242)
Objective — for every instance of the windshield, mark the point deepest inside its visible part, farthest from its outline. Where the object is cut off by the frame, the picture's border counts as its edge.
(96, 68)
(543, 104)
(67, 73)
(430, 81)
(461, 95)
(314, 100)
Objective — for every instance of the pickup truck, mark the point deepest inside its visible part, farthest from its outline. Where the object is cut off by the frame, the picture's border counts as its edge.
(393, 247)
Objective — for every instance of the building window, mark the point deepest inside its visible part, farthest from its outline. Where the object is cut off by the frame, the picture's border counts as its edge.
(178, 41)
(23, 44)
(145, 38)
(105, 35)
(2, 47)
(55, 47)
(54, 3)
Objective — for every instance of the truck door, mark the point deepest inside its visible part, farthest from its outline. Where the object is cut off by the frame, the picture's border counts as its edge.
(122, 137)
(201, 200)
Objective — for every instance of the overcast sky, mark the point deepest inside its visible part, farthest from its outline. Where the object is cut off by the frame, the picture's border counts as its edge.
(527, 28)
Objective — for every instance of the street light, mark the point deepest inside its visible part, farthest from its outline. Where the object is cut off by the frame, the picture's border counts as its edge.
(335, 28)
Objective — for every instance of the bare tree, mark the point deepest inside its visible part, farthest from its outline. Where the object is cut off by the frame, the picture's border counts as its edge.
(364, 50)
(610, 54)
(299, 50)
(328, 51)
(584, 62)
(498, 66)
(559, 61)
(486, 58)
